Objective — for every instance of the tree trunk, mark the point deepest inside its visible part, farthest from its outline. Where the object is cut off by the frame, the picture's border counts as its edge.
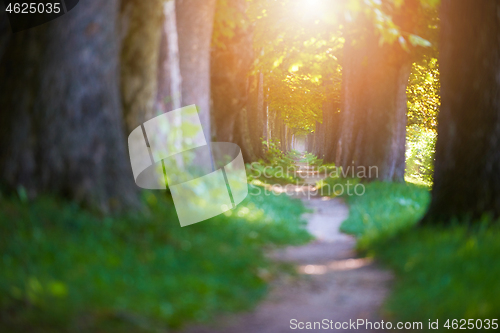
(373, 116)
(374, 80)
(261, 107)
(169, 96)
(230, 65)
(330, 120)
(319, 142)
(62, 128)
(331, 132)
(255, 114)
(284, 135)
(256, 106)
(289, 143)
(467, 169)
(243, 138)
(310, 143)
(5, 33)
(142, 21)
(324, 129)
(194, 27)
(272, 121)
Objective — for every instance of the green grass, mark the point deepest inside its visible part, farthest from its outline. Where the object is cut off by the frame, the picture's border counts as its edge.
(311, 159)
(441, 273)
(64, 269)
(336, 186)
(259, 172)
(444, 273)
(384, 210)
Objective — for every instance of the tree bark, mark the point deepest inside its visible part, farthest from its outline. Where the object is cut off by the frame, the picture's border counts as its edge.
(62, 129)
(5, 33)
(232, 108)
(321, 128)
(194, 27)
(285, 135)
(242, 137)
(230, 66)
(310, 143)
(331, 133)
(330, 119)
(467, 169)
(255, 114)
(261, 108)
(142, 21)
(373, 116)
(272, 121)
(169, 96)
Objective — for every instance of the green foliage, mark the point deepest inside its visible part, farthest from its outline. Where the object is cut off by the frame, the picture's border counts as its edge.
(381, 13)
(457, 266)
(441, 273)
(65, 269)
(294, 154)
(298, 55)
(384, 210)
(228, 17)
(274, 156)
(424, 101)
(421, 146)
(298, 46)
(311, 159)
(423, 93)
(430, 3)
(260, 173)
(336, 186)
(276, 168)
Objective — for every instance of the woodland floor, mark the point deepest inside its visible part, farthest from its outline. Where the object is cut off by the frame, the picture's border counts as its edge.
(333, 283)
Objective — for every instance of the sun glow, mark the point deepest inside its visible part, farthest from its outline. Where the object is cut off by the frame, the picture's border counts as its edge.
(310, 9)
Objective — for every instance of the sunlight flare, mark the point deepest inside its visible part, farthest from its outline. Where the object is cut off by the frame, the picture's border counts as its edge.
(310, 8)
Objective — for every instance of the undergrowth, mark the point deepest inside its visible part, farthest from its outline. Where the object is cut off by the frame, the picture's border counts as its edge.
(441, 273)
(277, 167)
(65, 269)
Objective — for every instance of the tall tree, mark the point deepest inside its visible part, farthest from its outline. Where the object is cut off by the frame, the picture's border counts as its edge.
(256, 111)
(169, 95)
(374, 107)
(331, 116)
(4, 30)
(61, 116)
(231, 60)
(194, 27)
(373, 117)
(323, 141)
(467, 169)
(142, 25)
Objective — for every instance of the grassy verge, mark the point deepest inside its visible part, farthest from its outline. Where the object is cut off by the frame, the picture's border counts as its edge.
(261, 173)
(441, 273)
(384, 210)
(64, 269)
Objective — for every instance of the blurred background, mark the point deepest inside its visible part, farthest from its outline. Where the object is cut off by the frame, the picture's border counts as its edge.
(299, 85)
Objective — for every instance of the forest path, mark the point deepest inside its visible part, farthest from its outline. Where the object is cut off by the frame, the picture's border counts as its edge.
(333, 283)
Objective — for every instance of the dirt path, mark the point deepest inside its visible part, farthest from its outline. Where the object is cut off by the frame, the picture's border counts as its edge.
(333, 284)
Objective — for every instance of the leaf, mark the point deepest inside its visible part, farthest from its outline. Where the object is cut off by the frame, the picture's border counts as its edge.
(402, 42)
(58, 289)
(419, 41)
(430, 3)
